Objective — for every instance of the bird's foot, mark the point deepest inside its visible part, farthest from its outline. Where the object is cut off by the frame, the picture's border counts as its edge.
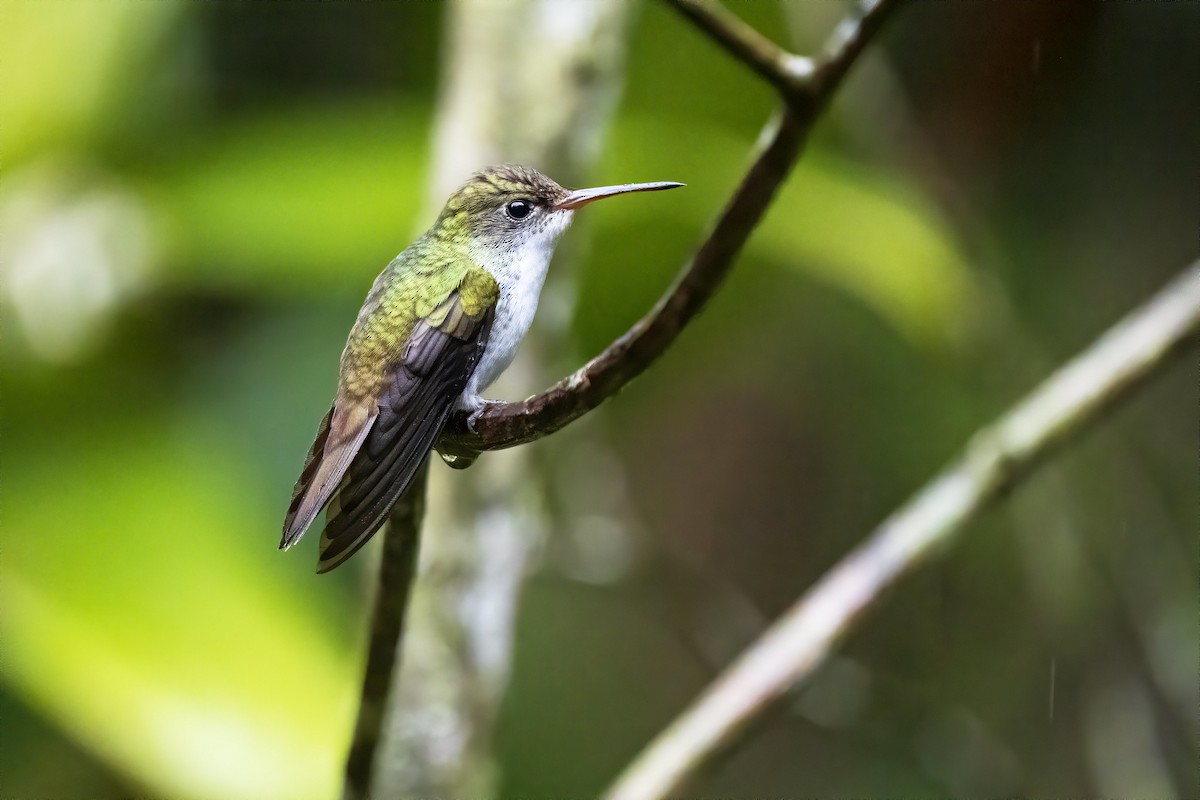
(474, 405)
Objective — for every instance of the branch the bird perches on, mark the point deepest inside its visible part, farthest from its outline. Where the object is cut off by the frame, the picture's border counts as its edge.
(805, 86)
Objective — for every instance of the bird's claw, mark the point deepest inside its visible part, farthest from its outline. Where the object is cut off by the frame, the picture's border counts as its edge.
(474, 406)
(474, 416)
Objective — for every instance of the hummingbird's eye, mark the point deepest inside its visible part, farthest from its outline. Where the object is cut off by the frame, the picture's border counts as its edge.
(519, 209)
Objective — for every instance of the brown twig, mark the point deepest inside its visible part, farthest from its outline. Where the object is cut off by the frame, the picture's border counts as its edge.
(398, 563)
(770, 61)
(806, 92)
(997, 457)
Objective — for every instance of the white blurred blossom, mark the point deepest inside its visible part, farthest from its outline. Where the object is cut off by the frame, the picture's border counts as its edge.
(72, 249)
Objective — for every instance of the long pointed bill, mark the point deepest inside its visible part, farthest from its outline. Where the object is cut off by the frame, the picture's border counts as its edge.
(581, 197)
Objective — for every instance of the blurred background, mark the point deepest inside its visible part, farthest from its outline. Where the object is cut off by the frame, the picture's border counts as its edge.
(194, 198)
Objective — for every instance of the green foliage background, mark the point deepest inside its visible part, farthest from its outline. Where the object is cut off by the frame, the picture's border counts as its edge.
(195, 196)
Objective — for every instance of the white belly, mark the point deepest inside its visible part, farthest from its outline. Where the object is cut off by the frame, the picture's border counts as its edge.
(514, 315)
(520, 280)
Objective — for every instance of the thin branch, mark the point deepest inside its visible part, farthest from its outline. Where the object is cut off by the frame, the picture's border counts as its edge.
(504, 425)
(846, 43)
(997, 458)
(508, 424)
(796, 77)
(770, 61)
(398, 563)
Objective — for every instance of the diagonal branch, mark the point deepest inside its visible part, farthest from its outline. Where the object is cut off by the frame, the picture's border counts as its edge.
(504, 425)
(997, 458)
(508, 424)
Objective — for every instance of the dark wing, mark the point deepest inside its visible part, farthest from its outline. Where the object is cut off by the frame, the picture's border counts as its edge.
(412, 412)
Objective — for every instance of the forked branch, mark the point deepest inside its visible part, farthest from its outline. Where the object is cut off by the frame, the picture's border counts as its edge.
(805, 86)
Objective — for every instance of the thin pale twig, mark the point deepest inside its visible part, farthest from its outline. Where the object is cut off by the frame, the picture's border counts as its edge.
(999, 456)
(398, 564)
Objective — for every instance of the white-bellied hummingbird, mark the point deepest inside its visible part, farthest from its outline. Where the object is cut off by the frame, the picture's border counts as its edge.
(440, 323)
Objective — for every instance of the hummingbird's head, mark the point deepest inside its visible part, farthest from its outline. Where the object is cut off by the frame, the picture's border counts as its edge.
(512, 211)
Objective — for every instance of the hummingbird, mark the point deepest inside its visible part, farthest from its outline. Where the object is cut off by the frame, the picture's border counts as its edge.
(439, 325)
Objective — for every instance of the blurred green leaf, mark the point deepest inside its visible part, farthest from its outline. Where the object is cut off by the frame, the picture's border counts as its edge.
(63, 64)
(296, 198)
(853, 226)
(148, 644)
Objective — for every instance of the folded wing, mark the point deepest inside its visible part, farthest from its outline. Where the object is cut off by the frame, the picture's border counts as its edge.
(441, 355)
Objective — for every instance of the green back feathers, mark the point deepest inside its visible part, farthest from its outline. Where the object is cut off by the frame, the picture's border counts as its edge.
(412, 288)
(418, 282)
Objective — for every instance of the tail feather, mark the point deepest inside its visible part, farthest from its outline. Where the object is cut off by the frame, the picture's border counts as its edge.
(360, 507)
(338, 439)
